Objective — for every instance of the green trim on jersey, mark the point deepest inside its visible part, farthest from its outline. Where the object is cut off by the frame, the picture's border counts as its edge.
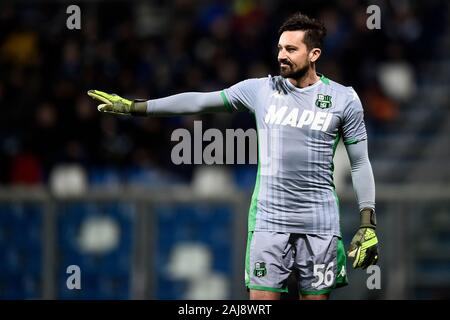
(226, 103)
(337, 199)
(351, 141)
(335, 144)
(324, 79)
(281, 290)
(254, 201)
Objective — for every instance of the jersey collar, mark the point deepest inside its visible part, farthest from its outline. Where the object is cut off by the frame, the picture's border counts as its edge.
(322, 79)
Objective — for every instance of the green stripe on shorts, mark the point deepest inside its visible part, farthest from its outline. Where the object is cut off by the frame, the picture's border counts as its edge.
(315, 293)
(341, 277)
(247, 259)
(262, 288)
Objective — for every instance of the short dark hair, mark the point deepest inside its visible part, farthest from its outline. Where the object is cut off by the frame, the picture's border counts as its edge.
(315, 30)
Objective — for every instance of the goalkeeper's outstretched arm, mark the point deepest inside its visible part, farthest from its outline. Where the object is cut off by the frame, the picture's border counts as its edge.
(186, 103)
(179, 104)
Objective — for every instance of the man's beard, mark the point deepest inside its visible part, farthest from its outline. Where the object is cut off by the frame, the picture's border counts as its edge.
(294, 74)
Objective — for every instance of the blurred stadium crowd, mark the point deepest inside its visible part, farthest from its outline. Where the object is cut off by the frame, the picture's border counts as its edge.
(153, 49)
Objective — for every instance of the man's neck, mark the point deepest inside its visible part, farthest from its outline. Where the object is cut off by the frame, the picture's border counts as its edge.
(308, 79)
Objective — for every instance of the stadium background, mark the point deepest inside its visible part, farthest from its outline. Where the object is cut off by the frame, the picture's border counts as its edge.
(82, 188)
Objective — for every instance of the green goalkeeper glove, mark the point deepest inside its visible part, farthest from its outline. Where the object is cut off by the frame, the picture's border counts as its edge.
(112, 103)
(364, 245)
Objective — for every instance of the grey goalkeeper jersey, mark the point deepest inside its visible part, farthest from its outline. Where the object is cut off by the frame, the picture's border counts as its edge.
(297, 135)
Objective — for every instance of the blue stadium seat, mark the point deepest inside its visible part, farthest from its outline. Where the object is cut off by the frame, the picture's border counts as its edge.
(89, 283)
(98, 269)
(209, 225)
(144, 177)
(245, 176)
(20, 250)
(105, 177)
(114, 287)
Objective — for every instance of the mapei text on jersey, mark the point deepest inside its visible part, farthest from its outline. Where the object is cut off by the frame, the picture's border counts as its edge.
(315, 120)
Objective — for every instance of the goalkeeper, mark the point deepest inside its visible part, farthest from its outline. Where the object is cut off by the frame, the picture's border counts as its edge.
(293, 221)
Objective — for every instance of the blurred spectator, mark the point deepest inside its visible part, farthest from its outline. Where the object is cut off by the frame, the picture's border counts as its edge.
(68, 180)
(26, 169)
(380, 108)
(396, 76)
(20, 48)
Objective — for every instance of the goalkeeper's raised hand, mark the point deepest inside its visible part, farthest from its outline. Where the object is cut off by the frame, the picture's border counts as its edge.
(364, 246)
(112, 103)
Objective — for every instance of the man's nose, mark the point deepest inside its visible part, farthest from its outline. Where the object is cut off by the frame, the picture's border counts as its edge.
(281, 55)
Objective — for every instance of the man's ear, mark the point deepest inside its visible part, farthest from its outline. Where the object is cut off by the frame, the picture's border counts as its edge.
(314, 54)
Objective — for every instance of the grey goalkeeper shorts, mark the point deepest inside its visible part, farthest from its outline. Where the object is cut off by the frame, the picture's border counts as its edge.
(319, 261)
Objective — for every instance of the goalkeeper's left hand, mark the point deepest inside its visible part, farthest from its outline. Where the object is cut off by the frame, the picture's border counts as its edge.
(112, 103)
(364, 245)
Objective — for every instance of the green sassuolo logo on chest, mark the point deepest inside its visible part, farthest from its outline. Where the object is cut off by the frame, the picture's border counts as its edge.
(323, 101)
